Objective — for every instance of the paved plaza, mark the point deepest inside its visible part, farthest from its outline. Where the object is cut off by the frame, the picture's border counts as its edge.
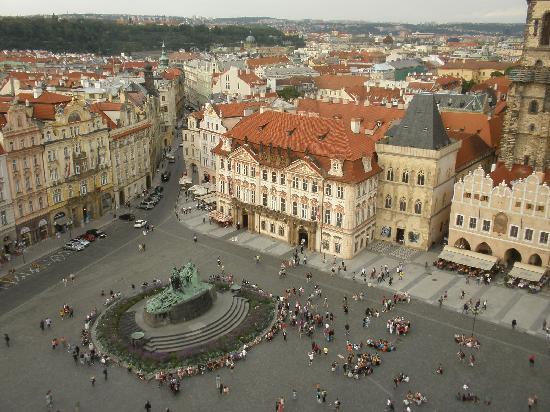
(272, 369)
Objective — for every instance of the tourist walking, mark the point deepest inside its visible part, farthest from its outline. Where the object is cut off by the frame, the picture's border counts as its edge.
(218, 382)
(49, 399)
(147, 406)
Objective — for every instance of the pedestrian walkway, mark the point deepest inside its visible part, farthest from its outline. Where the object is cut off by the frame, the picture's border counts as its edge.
(426, 283)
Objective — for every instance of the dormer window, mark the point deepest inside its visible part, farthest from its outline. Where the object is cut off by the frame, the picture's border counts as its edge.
(336, 167)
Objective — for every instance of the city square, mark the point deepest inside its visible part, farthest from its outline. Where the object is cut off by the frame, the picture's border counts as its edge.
(272, 369)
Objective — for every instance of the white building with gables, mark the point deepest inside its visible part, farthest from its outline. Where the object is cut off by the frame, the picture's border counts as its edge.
(302, 179)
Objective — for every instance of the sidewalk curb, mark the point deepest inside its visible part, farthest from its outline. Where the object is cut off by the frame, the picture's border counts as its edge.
(49, 251)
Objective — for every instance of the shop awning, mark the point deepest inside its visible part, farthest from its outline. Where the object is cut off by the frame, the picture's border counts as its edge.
(184, 180)
(198, 190)
(219, 216)
(208, 198)
(527, 272)
(24, 230)
(468, 258)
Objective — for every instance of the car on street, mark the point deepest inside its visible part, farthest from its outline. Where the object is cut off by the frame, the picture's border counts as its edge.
(146, 205)
(74, 246)
(127, 216)
(97, 233)
(83, 242)
(159, 189)
(87, 236)
(181, 144)
(165, 176)
(140, 223)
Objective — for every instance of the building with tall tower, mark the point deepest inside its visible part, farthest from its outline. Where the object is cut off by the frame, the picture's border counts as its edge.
(415, 189)
(506, 213)
(526, 133)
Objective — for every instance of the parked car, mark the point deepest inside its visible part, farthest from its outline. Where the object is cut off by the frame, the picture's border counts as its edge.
(97, 233)
(83, 242)
(87, 236)
(165, 176)
(146, 205)
(127, 216)
(159, 189)
(140, 223)
(77, 247)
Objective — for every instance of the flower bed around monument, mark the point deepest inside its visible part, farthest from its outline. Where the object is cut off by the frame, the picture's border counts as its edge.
(260, 316)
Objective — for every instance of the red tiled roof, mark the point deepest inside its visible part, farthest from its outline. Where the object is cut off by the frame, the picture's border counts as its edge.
(332, 69)
(4, 107)
(335, 82)
(489, 128)
(501, 173)
(500, 107)
(250, 78)
(473, 147)
(446, 81)
(127, 132)
(3, 120)
(106, 107)
(44, 111)
(266, 61)
(171, 73)
(235, 109)
(319, 136)
(198, 115)
(44, 98)
(369, 115)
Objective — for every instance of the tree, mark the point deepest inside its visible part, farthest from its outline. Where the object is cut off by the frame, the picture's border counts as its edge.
(497, 74)
(467, 85)
(289, 93)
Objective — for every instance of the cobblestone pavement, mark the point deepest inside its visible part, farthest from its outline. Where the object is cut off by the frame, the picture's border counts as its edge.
(504, 304)
(30, 367)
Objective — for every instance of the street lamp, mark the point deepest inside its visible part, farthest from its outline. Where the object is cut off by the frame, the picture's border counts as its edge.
(70, 224)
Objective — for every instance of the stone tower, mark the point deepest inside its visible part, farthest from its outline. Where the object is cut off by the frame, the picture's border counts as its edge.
(526, 133)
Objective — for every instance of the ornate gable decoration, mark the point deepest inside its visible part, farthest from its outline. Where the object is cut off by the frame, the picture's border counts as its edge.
(336, 167)
(299, 167)
(243, 155)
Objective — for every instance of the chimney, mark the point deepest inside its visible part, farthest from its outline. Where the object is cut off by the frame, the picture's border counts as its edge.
(248, 111)
(355, 125)
(27, 104)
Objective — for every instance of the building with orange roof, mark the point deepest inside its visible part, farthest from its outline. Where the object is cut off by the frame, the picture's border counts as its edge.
(204, 130)
(22, 141)
(506, 213)
(303, 179)
(77, 165)
(239, 83)
(476, 70)
(7, 216)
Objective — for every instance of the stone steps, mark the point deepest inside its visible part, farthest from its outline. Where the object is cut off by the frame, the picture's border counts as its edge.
(218, 327)
(128, 325)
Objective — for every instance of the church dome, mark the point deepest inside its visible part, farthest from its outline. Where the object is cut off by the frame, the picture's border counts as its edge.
(250, 39)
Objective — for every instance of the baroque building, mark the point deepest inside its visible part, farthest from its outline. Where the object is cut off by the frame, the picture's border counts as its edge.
(77, 166)
(302, 179)
(526, 134)
(22, 140)
(415, 191)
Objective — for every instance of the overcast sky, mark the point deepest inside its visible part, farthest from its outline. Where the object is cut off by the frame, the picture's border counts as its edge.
(407, 11)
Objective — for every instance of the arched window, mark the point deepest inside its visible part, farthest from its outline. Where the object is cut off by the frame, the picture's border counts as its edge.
(389, 175)
(533, 107)
(418, 207)
(545, 32)
(420, 178)
(402, 204)
(388, 202)
(405, 176)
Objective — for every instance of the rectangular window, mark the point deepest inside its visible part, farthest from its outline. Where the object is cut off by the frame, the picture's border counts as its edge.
(238, 168)
(281, 231)
(339, 219)
(459, 220)
(328, 190)
(272, 227)
(238, 192)
(273, 177)
(304, 211)
(3, 218)
(340, 192)
(337, 247)
(253, 197)
(314, 186)
(295, 208)
(222, 162)
(304, 184)
(283, 205)
(486, 225)
(514, 231)
(262, 224)
(295, 182)
(543, 239)
(327, 217)
(314, 213)
(273, 202)
(31, 207)
(529, 234)
(253, 171)
(245, 170)
(264, 199)
(473, 223)
(83, 188)
(264, 174)
(282, 179)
